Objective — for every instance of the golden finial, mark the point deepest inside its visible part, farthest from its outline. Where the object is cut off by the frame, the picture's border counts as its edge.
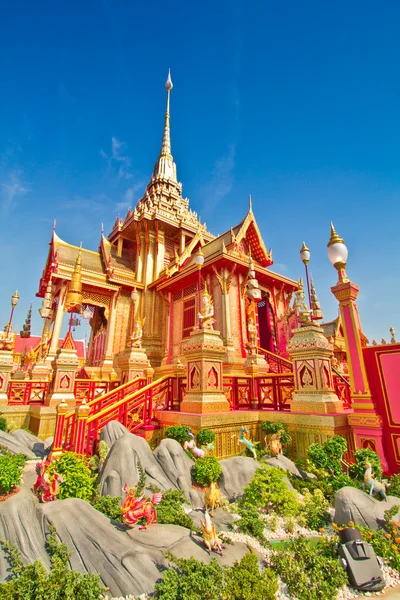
(250, 204)
(392, 333)
(166, 143)
(335, 238)
(168, 83)
(300, 284)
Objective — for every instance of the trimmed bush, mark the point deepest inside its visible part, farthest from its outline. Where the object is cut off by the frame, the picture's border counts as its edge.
(327, 456)
(251, 523)
(33, 582)
(3, 424)
(204, 437)
(170, 510)
(190, 579)
(77, 479)
(178, 433)
(243, 581)
(206, 470)
(268, 491)
(11, 469)
(315, 510)
(309, 572)
(109, 506)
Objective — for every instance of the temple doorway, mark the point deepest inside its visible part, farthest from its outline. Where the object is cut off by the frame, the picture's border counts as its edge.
(266, 324)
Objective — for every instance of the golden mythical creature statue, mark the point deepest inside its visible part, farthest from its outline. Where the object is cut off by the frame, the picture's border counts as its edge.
(274, 444)
(206, 316)
(193, 448)
(212, 497)
(374, 486)
(134, 508)
(210, 536)
(46, 486)
(249, 444)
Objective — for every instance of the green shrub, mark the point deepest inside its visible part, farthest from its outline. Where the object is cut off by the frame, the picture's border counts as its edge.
(170, 510)
(178, 433)
(33, 582)
(77, 479)
(251, 523)
(243, 581)
(394, 483)
(268, 490)
(3, 424)
(309, 572)
(275, 427)
(204, 437)
(361, 457)
(260, 451)
(190, 579)
(327, 456)
(315, 510)
(206, 470)
(109, 506)
(11, 468)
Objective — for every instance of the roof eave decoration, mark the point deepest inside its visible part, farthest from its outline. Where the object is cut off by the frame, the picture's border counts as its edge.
(250, 232)
(180, 259)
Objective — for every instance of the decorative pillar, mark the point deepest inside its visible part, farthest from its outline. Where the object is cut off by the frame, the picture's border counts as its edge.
(6, 367)
(57, 322)
(311, 354)
(64, 367)
(204, 352)
(107, 364)
(365, 422)
(82, 415)
(62, 410)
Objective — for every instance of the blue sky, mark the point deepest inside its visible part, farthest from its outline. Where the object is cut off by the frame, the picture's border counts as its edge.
(295, 103)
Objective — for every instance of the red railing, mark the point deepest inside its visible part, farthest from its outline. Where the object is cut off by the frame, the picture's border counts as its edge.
(272, 392)
(99, 403)
(27, 392)
(277, 364)
(89, 389)
(135, 411)
(341, 383)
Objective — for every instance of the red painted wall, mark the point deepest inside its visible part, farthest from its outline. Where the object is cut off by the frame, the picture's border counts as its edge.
(382, 364)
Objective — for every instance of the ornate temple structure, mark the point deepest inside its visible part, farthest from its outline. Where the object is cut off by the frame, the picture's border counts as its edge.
(193, 329)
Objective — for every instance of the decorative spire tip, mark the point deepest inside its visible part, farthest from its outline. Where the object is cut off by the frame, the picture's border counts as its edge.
(168, 83)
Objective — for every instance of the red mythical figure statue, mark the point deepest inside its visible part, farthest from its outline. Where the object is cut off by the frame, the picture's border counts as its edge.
(134, 508)
(46, 487)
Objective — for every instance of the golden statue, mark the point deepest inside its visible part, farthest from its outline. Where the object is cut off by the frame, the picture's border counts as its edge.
(206, 316)
(210, 536)
(252, 336)
(137, 335)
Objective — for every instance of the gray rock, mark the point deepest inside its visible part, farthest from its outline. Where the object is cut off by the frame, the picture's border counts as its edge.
(31, 441)
(355, 505)
(97, 546)
(112, 432)
(14, 446)
(19, 525)
(177, 466)
(237, 473)
(221, 518)
(48, 442)
(282, 462)
(181, 544)
(121, 466)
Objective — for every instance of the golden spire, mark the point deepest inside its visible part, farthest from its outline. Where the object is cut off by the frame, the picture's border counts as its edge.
(335, 237)
(165, 167)
(73, 301)
(317, 313)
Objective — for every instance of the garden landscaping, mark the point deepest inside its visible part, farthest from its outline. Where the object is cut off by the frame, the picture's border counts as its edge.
(63, 536)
